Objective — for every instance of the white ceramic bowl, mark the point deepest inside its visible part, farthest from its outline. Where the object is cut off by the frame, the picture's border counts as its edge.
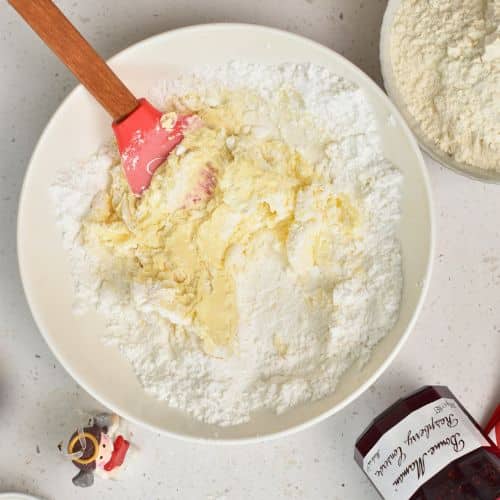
(75, 132)
(396, 97)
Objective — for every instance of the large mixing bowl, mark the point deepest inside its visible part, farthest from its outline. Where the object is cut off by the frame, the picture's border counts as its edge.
(76, 131)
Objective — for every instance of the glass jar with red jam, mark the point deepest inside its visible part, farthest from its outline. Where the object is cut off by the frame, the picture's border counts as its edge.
(428, 447)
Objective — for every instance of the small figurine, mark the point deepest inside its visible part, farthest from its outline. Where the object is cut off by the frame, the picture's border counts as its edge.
(97, 448)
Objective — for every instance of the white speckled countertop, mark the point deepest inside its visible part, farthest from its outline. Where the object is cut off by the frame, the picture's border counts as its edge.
(456, 341)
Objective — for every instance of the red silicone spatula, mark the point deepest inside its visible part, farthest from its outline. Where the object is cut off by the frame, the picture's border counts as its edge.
(143, 142)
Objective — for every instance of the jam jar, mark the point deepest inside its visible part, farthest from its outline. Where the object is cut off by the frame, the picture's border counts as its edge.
(428, 447)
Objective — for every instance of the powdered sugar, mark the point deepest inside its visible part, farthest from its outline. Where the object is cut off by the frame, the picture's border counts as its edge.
(301, 324)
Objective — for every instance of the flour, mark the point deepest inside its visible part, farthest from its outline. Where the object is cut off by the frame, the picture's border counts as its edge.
(446, 60)
(302, 320)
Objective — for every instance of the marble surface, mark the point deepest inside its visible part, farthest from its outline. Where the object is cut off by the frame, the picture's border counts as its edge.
(455, 342)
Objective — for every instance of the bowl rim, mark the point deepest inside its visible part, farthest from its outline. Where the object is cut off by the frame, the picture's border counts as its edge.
(14, 495)
(490, 176)
(353, 395)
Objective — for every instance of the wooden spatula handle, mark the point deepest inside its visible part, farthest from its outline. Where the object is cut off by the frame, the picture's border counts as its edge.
(74, 51)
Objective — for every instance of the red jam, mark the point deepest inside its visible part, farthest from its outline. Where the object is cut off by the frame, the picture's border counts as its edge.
(428, 447)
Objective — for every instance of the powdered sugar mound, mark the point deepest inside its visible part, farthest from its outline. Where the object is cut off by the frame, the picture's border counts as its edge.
(293, 343)
(73, 193)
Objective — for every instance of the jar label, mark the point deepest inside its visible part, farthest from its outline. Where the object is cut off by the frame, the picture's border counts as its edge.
(419, 446)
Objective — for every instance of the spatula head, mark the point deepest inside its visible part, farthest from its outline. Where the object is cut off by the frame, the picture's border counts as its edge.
(144, 143)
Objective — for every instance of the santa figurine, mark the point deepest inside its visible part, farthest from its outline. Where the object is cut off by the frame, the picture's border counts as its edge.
(98, 448)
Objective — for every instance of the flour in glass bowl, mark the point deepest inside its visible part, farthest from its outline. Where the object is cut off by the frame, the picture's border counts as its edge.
(446, 60)
(302, 211)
